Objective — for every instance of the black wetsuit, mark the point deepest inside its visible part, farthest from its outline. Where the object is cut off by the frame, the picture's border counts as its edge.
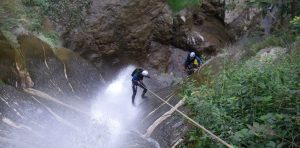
(137, 80)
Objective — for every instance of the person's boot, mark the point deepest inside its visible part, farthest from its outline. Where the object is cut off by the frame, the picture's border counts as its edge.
(143, 94)
(133, 101)
(144, 97)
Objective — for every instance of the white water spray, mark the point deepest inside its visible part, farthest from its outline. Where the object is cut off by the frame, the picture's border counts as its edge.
(113, 108)
(110, 123)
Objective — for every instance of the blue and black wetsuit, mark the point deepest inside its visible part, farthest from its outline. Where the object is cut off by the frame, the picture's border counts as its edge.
(137, 80)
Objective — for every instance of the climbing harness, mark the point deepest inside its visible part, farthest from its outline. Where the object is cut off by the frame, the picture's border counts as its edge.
(192, 121)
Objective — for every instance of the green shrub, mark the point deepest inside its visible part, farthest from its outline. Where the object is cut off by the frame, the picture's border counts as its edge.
(15, 14)
(70, 13)
(251, 104)
(280, 39)
(31, 13)
(177, 5)
(39, 3)
(295, 24)
(53, 36)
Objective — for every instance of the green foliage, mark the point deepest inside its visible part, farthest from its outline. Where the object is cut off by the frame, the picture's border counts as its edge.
(251, 104)
(33, 20)
(31, 13)
(1, 82)
(230, 6)
(10, 15)
(263, 4)
(1, 11)
(70, 13)
(280, 39)
(52, 36)
(39, 3)
(177, 5)
(285, 7)
(15, 14)
(295, 24)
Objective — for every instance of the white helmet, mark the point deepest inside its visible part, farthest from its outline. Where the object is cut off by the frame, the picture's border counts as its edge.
(145, 73)
(192, 54)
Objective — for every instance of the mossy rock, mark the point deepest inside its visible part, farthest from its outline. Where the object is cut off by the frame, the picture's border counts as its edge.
(31, 46)
(7, 59)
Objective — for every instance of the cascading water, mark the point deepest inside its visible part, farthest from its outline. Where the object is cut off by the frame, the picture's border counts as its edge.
(111, 122)
(114, 118)
(114, 115)
(114, 110)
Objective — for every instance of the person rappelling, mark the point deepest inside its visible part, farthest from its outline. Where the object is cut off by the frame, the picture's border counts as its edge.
(192, 63)
(137, 80)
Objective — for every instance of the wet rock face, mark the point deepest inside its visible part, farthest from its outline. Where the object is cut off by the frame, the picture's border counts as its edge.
(200, 29)
(32, 63)
(26, 118)
(242, 19)
(116, 30)
(165, 62)
(53, 107)
(62, 75)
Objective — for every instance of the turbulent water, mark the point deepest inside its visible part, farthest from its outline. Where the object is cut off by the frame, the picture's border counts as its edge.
(111, 122)
(114, 110)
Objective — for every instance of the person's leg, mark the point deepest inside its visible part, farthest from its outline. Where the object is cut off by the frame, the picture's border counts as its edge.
(134, 90)
(142, 85)
(190, 71)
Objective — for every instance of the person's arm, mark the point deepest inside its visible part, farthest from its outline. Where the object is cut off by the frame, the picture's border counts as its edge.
(199, 59)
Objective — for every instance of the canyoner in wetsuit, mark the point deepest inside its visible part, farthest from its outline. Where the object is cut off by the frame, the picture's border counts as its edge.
(137, 80)
(192, 63)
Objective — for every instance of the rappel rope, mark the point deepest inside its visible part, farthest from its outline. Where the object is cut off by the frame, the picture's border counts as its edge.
(191, 120)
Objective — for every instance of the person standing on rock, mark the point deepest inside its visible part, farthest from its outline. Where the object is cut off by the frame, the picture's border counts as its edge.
(137, 80)
(192, 62)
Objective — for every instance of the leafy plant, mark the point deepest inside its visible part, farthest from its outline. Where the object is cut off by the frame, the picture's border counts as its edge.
(53, 37)
(281, 40)
(295, 24)
(250, 104)
(177, 5)
(15, 14)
